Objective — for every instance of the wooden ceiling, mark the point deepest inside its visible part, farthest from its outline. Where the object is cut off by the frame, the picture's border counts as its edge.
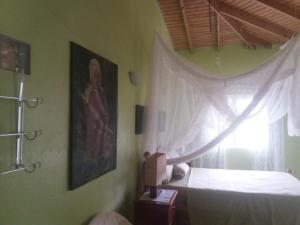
(195, 24)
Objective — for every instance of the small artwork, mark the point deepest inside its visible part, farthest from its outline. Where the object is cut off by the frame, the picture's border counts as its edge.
(94, 93)
(14, 55)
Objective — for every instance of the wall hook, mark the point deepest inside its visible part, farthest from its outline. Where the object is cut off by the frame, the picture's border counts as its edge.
(33, 167)
(32, 103)
(33, 135)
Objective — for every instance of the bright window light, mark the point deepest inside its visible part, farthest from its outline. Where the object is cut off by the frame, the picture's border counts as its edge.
(252, 134)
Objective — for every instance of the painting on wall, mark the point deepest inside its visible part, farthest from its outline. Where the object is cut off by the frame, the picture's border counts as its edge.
(93, 134)
(14, 55)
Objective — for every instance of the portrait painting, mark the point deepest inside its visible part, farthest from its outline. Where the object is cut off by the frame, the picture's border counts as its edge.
(93, 125)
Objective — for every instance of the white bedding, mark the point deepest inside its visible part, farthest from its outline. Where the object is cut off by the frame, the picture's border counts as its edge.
(234, 197)
(244, 181)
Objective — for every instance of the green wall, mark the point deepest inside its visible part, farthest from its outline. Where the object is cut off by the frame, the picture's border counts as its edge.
(234, 60)
(121, 31)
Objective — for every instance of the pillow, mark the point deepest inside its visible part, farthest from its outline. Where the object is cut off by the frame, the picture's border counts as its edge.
(180, 170)
(169, 173)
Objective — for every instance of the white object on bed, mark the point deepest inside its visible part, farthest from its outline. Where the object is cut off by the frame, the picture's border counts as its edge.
(109, 218)
(244, 181)
(180, 170)
(236, 197)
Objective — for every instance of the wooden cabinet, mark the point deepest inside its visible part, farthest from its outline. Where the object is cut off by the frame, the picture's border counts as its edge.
(158, 211)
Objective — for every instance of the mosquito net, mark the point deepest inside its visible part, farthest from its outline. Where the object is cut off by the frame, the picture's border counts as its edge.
(190, 110)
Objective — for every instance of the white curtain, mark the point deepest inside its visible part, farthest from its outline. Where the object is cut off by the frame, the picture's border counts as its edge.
(186, 104)
(214, 158)
(272, 156)
(264, 141)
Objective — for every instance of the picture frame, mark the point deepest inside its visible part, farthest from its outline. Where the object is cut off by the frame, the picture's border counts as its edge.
(93, 123)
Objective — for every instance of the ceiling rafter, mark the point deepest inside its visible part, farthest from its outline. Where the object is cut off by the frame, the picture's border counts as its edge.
(254, 21)
(186, 25)
(218, 32)
(253, 39)
(281, 8)
(231, 23)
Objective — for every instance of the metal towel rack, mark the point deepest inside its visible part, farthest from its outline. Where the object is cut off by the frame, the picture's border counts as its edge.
(20, 133)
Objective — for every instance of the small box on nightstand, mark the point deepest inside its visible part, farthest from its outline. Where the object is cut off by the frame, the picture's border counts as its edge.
(157, 211)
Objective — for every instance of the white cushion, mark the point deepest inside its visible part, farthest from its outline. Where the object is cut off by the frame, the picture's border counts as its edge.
(109, 218)
(180, 170)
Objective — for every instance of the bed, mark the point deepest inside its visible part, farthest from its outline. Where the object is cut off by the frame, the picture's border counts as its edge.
(240, 197)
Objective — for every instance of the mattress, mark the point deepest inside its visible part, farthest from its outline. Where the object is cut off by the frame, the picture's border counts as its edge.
(240, 197)
(244, 181)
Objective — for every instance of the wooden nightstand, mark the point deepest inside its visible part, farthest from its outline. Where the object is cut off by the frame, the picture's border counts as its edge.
(158, 211)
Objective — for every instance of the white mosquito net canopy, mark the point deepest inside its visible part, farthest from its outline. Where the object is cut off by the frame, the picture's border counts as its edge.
(190, 111)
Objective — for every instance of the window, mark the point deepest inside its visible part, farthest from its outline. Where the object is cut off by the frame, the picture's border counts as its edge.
(252, 134)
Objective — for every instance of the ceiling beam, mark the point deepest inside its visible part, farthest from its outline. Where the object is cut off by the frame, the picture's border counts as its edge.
(231, 23)
(186, 25)
(256, 22)
(281, 8)
(218, 32)
(251, 38)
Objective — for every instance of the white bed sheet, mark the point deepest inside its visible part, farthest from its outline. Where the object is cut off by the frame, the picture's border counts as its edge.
(244, 181)
(235, 197)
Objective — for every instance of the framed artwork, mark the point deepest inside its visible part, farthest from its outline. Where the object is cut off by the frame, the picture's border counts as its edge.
(139, 118)
(93, 125)
(14, 55)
